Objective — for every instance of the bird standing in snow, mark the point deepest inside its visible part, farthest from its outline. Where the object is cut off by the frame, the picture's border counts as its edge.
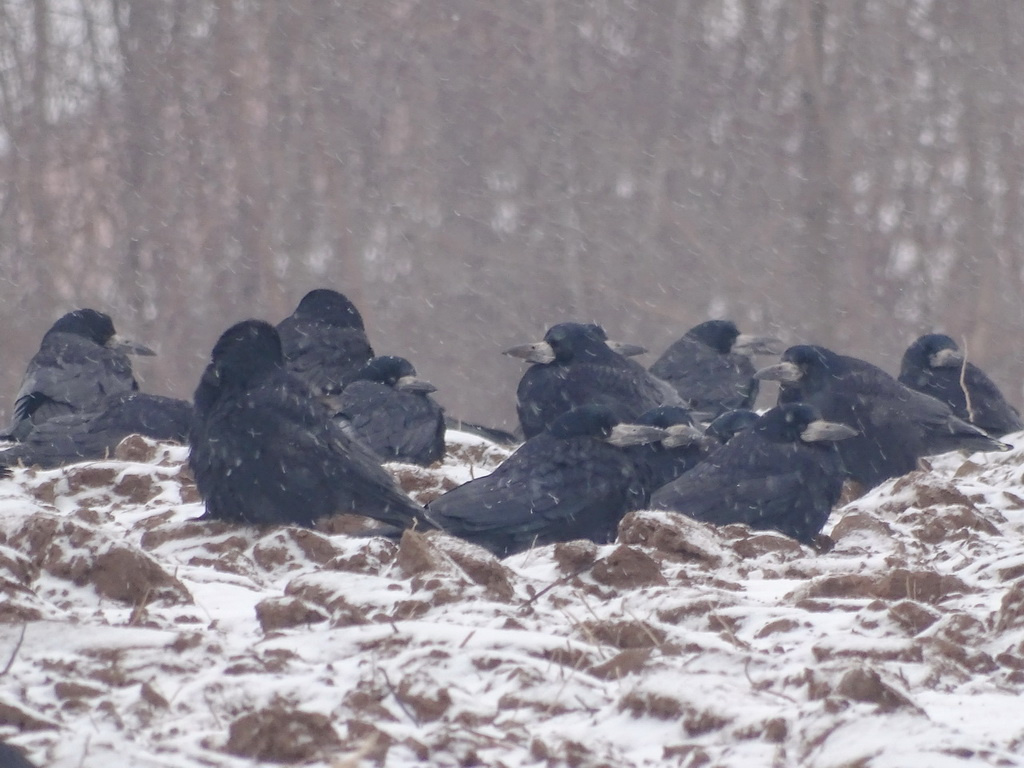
(95, 434)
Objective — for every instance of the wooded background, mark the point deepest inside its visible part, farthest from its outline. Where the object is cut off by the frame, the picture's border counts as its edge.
(847, 173)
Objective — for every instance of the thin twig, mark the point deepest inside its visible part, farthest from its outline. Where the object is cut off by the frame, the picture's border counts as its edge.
(394, 692)
(561, 581)
(723, 624)
(85, 751)
(645, 627)
(139, 611)
(565, 680)
(209, 707)
(14, 653)
(761, 687)
(963, 384)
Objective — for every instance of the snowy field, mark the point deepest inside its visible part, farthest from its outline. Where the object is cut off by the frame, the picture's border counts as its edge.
(132, 635)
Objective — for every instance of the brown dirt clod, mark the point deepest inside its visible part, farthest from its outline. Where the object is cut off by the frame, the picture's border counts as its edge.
(286, 612)
(675, 535)
(428, 705)
(282, 735)
(1011, 608)
(866, 685)
(623, 663)
(125, 574)
(627, 568)
(574, 556)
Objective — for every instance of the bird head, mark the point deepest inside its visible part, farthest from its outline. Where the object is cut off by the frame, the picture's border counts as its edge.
(244, 352)
(394, 372)
(99, 328)
(330, 308)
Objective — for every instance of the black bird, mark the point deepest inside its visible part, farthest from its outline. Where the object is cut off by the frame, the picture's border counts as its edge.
(680, 450)
(782, 474)
(393, 413)
(896, 425)
(935, 365)
(324, 341)
(94, 435)
(265, 451)
(80, 362)
(711, 369)
(572, 481)
(574, 365)
(724, 427)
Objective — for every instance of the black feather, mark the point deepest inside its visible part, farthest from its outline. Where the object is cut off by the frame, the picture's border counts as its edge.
(79, 364)
(768, 477)
(933, 365)
(568, 482)
(581, 368)
(324, 341)
(896, 425)
(264, 450)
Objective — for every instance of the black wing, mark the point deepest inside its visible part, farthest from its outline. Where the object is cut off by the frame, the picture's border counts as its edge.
(273, 455)
(550, 490)
(398, 426)
(989, 408)
(787, 487)
(69, 374)
(325, 357)
(897, 425)
(547, 391)
(707, 380)
(94, 435)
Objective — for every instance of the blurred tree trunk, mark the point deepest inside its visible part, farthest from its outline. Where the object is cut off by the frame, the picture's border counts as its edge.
(140, 41)
(35, 144)
(818, 194)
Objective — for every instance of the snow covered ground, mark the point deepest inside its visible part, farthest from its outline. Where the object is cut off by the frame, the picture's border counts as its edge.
(130, 634)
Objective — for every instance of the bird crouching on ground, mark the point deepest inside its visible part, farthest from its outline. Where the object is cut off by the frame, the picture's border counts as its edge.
(392, 412)
(711, 369)
(935, 366)
(574, 365)
(573, 481)
(265, 451)
(81, 361)
(896, 425)
(324, 341)
(94, 435)
(782, 474)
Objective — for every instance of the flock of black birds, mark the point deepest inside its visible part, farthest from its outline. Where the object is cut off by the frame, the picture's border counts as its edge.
(292, 423)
